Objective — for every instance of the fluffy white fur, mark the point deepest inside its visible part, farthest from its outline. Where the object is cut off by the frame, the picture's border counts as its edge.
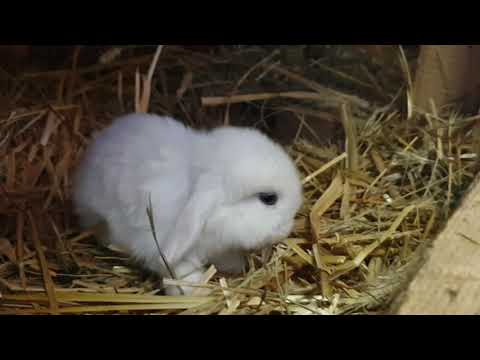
(203, 187)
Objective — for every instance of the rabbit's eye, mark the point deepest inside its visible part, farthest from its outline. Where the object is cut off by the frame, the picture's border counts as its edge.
(268, 198)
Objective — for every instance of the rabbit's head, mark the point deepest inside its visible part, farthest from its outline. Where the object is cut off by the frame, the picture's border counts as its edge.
(258, 188)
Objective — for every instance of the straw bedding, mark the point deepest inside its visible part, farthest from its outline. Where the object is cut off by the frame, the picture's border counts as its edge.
(373, 197)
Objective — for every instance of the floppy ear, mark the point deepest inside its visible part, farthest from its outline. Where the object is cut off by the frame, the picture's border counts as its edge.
(206, 195)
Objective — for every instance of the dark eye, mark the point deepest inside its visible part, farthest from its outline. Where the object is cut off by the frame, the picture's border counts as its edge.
(268, 198)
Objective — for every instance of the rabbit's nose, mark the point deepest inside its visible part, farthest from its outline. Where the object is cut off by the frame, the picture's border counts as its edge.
(286, 228)
(281, 235)
(277, 238)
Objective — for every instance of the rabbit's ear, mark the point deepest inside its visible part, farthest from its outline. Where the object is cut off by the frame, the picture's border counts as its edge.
(206, 195)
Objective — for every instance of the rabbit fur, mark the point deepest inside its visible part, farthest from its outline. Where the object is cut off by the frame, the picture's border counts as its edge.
(205, 188)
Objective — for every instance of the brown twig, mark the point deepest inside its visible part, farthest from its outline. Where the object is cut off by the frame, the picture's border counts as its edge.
(47, 279)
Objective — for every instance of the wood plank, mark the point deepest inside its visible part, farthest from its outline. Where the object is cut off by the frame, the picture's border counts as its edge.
(449, 280)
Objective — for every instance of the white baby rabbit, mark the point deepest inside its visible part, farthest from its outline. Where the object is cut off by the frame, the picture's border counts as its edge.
(215, 194)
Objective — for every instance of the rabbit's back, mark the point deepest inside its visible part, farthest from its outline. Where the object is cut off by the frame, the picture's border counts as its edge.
(138, 158)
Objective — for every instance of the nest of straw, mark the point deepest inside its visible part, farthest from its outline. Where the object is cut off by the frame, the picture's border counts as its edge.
(371, 204)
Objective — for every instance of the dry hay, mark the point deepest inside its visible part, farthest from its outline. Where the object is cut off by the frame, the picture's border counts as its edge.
(369, 206)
